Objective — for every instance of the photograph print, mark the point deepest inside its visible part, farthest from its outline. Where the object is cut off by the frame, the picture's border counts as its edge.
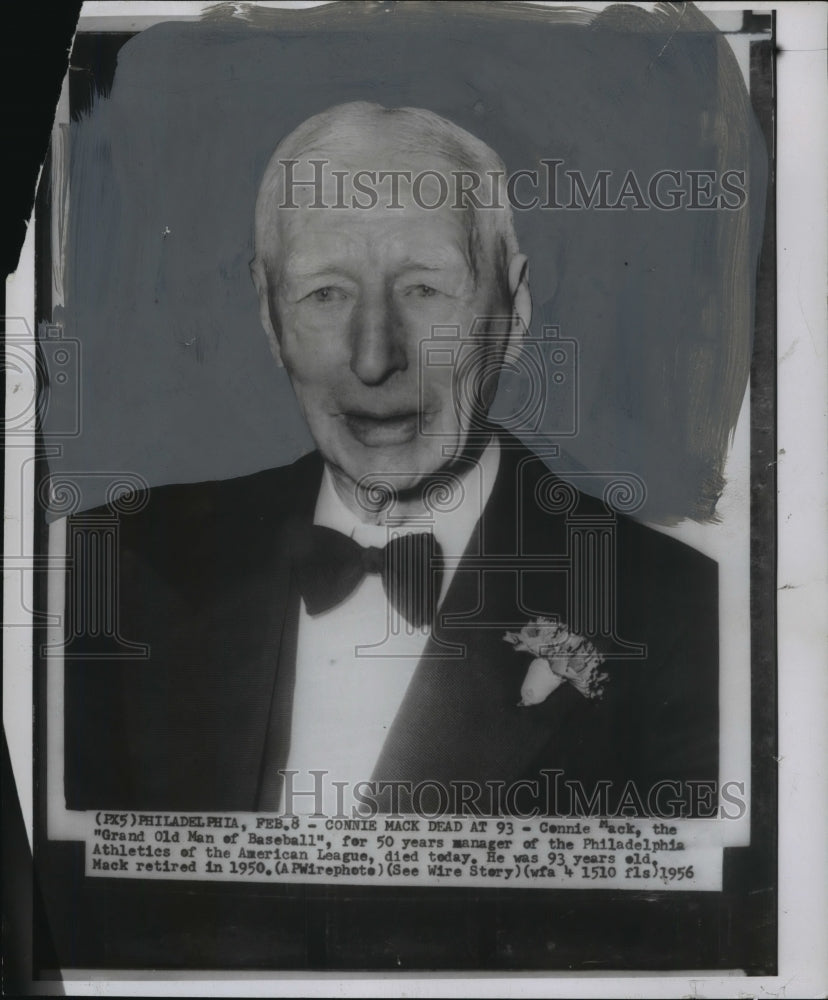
(404, 510)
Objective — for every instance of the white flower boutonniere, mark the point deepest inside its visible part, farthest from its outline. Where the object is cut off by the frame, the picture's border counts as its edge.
(560, 655)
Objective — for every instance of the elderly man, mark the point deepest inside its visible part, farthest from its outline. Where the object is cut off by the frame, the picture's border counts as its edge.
(418, 615)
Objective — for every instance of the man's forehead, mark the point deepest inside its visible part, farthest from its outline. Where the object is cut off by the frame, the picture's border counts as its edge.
(332, 200)
(309, 238)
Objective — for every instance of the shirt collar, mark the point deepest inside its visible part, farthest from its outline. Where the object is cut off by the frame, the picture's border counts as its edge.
(451, 522)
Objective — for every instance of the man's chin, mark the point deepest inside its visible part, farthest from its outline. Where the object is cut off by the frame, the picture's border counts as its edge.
(403, 468)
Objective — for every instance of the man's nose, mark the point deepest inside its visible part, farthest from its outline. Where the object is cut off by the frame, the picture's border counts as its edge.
(378, 342)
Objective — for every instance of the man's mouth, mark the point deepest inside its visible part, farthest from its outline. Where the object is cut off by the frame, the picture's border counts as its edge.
(375, 430)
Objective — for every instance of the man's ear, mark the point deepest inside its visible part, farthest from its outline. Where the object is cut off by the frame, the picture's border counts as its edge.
(518, 278)
(258, 272)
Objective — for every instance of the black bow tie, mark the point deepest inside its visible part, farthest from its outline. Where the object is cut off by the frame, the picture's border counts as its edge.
(329, 566)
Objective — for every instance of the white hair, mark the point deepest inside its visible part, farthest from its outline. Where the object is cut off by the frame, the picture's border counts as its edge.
(345, 129)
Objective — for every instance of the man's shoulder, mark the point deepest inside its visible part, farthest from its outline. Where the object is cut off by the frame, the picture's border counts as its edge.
(198, 534)
(547, 490)
(265, 496)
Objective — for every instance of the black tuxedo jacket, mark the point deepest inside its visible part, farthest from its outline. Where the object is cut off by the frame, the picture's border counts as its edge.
(204, 582)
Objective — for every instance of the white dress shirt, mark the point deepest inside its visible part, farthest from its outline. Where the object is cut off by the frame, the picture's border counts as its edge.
(355, 661)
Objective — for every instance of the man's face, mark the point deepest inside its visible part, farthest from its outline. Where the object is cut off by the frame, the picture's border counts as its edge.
(353, 295)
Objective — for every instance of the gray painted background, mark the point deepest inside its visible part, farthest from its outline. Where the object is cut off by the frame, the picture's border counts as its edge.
(177, 383)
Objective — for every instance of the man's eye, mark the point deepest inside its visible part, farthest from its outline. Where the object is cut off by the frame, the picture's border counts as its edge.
(422, 291)
(330, 293)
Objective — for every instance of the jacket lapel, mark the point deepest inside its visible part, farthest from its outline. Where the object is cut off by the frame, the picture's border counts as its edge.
(460, 718)
(246, 675)
(237, 690)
